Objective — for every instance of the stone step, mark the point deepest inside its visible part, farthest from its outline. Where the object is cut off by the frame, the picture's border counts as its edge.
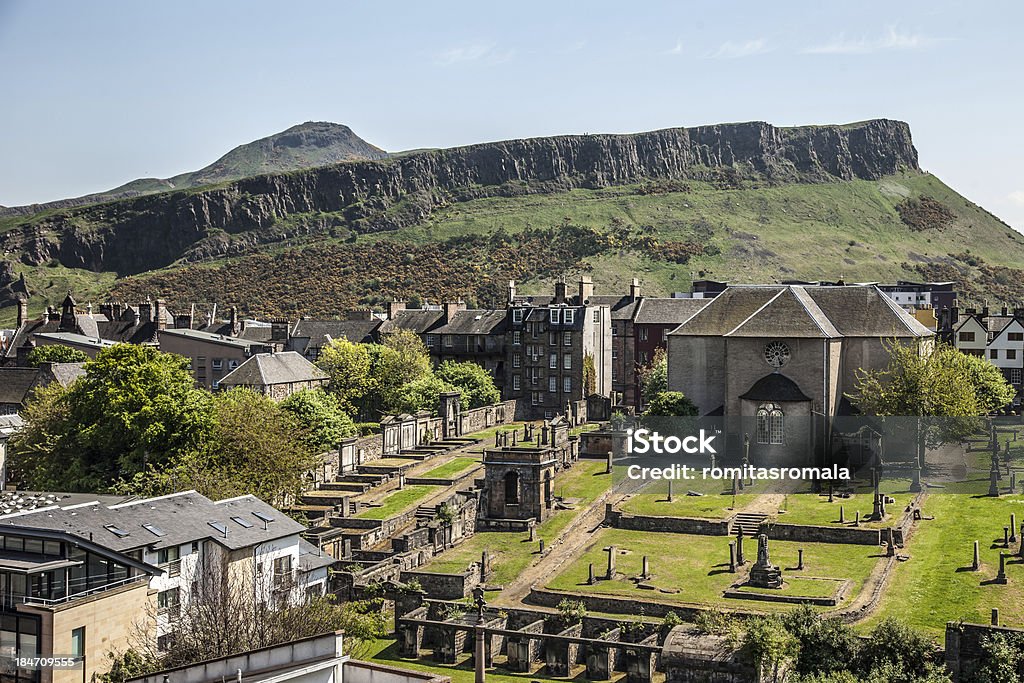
(426, 512)
(750, 522)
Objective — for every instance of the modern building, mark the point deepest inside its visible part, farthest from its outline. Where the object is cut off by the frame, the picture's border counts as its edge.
(212, 355)
(83, 579)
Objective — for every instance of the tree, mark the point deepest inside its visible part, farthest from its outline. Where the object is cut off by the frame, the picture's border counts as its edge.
(946, 390)
(422, 394)
(671, 404)
(589, 375)
(475, 383)
(654, 377)
(321, 416)
(770, 647)
(826, 644)
(1003, 658)
(898, 651)
(348, 365)
(135, 407)
(55, 353)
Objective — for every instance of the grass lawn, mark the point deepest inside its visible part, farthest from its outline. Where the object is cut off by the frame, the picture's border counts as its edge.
(811, 588)
(716, 503)
(511, 553)
(933, 588)
(451, 468)
(398, 501)
(697, 566)
(813, 509)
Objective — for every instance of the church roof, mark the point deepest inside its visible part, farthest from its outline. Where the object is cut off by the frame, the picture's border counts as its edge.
(775, 387)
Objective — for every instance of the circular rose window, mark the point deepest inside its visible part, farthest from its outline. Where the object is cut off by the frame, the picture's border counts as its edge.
(776, 354)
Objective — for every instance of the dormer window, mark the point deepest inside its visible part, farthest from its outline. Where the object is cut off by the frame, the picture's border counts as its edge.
(569, 316)
(517, 315)
(553, 316)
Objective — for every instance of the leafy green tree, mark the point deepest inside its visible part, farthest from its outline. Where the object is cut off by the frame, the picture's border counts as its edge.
(321, 415)
(654, 377)
(55, 353)
(348, 364)
(671, 404)
(399, 360)
(770, 647)
(895, 650)
(422, 394)
(826, 644)
(475, 383)
(135, 407)
(1003, 659)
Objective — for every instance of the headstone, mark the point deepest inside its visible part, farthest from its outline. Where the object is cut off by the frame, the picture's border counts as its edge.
(915, 480)
(591, 579)
(347, 549)
(995, 616)
(1013, 528)
(1001, 576)
(764, 574)
(800, 559)
(842, 515)
(540, 547)
(1006, 537)
(485, 564)
(670, 490)
(993, 483)
(739, 548)
(646, 571)
(732, 557)
(515, 438)
(608, 464)
(497, 439)
(856, 522)
(976, 562)
(1013, 481)
(533, 533)
(479, 655)
(831, 493)
(735, 485)
(401, 479)
(611, 550)
(890, 542)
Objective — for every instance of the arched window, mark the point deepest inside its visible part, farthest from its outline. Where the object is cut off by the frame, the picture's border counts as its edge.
(770, 428)
(511, 488)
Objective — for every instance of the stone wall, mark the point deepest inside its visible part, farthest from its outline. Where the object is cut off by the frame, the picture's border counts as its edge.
(678, 525)
(479, 419)
(445, 586)
(822, 534)
(964, 650)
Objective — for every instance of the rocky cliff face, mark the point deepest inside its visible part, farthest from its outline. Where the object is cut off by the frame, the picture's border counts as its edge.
(143, 233)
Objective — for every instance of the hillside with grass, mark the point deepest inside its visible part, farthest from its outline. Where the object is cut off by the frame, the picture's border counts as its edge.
(753, 204)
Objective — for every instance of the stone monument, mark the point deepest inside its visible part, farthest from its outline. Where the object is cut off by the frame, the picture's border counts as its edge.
(764, 574)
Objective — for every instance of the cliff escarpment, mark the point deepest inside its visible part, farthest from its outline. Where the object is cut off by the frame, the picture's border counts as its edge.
(144, 233)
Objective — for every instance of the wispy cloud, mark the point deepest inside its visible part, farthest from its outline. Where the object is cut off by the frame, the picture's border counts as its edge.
(892, 39)
(1016, 197)
(487, 53)
(736, 50)
(677, 49)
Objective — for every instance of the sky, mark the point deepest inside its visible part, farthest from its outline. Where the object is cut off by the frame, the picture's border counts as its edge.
(97, 94)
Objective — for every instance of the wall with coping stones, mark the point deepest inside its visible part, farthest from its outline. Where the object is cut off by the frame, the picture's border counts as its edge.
(822, 534)
(678, 525)
(445, 586)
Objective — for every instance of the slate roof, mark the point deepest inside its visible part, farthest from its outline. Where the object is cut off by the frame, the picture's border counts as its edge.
(16, 383)
(76, 339)
(64, 373)
(311, 558)
(319, 332)
(775, 387)
(266, 369)
(182, 517)
(474, 322)
(667, 311)
(209, 337)
(622, 307)
(802, 311)
(418, 320)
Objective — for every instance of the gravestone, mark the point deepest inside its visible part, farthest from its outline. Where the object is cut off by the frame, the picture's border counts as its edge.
(591, 579)
(764, 574)
(740, 560)
(645, 572)
(842, 515)
(1001, 576)
(976, 562)
(611, 550)
(1013, 528)
(1006, 537)
(732, 557)
(800, 559)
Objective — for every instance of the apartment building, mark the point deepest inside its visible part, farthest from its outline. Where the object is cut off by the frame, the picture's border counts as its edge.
(212, 355)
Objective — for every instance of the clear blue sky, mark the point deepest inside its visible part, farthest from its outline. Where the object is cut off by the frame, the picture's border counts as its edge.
(96, 94)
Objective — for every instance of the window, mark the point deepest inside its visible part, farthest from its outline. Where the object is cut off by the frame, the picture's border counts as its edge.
(1011, 354)
(447, 341)
(615, 330)
(553, 316)
(615, 354)
(643, 334)
(567, 384)
(569, 316)
(116, 530)
(517, 360)
(168, 601)
(769, 424)
(567, 361)
(218, 363)
(283, 565)
(966, 336)
(597, 315)
(165, 555)
(517, 315)
(567, 338)
(534, 330)
(515, 382)
(535, 398)
(517, 337)
(552, 338)
(242, 521)
(553, 361)
(993, 354)
(1015, 375)
(232, 364)
(78, 642)
(1015, 336)
(154, 529)
(431, 340)
(552, 384)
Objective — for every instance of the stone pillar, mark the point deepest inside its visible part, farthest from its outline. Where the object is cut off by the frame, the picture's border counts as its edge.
(800, 559)
(735, 485)
(401, 479)
(856, 522)
(480, 654)
(915, 481)
(540, 547)
(485, 565)
(976, 562)
(611, 550)
(842, 515)
(993, 482)
(591, 579)
(533, 533)
(1006, 537)
(670, 490)
(608, 464)
(1001, 576)
(732, 557)
(1013, 481)
(740, 560)
(995, 616)
(831, 493)
(890, 542)
(1013, 528)
(645, 572)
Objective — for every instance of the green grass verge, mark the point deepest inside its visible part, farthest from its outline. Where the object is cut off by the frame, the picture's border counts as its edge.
(451, 468)
(399, 501)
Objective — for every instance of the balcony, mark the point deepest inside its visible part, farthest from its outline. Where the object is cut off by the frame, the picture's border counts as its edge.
(173, 568)
(49, 602)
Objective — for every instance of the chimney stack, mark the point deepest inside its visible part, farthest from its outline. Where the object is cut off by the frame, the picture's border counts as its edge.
(450, 308)
(22, 311)
(159, 306)
(586, 290)
(394, 307)
(511, 291)
(279, 330)
(146, 312)
(634, 289)
(233, 320)
(560, 292)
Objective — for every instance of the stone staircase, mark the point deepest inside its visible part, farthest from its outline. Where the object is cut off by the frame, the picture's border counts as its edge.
(750, 522)
(426, 512)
